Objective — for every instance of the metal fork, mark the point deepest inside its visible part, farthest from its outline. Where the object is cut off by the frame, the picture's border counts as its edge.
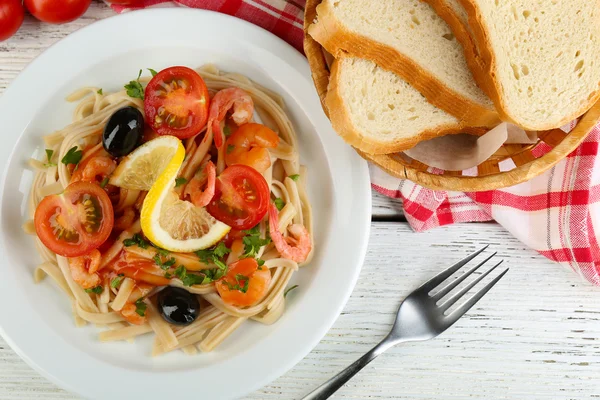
(420, 317)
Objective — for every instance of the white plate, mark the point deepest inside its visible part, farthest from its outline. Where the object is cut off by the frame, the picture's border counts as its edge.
(36, 319)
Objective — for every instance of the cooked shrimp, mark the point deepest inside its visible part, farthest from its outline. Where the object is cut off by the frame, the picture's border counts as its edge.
(297, 247)
(126, 220)
(94, 168)
(84, 268)
(245, 283)
(199, 197)
(243, 109)
(249, 144)
(129, 312)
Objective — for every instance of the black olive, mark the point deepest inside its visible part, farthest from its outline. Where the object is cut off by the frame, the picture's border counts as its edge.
(123, 132)
(178, 306)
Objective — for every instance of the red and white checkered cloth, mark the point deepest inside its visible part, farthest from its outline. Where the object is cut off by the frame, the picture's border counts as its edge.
(554, 213)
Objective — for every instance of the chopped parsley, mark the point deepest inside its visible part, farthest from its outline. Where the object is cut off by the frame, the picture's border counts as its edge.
(214, 254)
(241, 283)
(162, 252)
(153, 72)
(135, 88)
(97, 290)
(140, 307)
(138, 240)
(294, 177)
(226, 131)
(164, 265)
(73, 156)
(116, 281)
(260, 262)
(104, 182)
(180, 181)
(253, 242)
(289, 290)
(190, 279)
(49, 153)
(99, 91)
(230, 148)
(279, 203)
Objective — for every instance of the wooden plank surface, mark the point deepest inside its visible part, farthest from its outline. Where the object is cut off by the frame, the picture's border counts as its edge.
(534, 336)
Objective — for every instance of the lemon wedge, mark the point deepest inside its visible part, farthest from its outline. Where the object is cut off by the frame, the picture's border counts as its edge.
(142, 167)
(174, 224)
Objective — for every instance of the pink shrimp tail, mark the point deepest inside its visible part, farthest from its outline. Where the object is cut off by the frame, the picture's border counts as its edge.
(243, 108)
(201, 198)
(296, 249)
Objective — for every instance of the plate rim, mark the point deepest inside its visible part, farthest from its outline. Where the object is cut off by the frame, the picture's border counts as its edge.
(300, 61)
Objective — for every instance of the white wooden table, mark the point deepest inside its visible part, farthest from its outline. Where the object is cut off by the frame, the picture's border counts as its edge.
(535, 336)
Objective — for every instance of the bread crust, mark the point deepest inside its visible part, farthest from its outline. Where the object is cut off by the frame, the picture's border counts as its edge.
(342, 123)
(491, 85)
(338, 41)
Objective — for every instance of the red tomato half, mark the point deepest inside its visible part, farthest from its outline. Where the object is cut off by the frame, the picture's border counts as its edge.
(176, 102)
(11, 18)
(57, 11)
(241, 197)
(75, 222)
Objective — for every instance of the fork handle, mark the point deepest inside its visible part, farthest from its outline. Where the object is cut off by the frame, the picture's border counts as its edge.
(332, 385)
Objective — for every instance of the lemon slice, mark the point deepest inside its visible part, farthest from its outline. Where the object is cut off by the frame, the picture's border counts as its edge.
(141, 168)
(174, 224)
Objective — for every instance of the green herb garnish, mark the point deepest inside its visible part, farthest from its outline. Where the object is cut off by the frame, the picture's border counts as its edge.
(279, 203)
(162, 252)
(230, 148)
(164, 265)
(135, 88)
(73, 156)
(153, 72)
(190, 279)
(213, 254)
(116, 281)
(104, 182)
(294, 177)
(49, 154)
(253, 242)
(180, 181)
(140, 307)
(138, 240)
(99, 91)
(289, 290)
(226, 130)
(241, 283)
(97, 290)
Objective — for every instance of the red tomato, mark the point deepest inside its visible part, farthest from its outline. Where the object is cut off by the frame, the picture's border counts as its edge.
(11, 18)
(241, 197)
(75, 222)
(176, 102)
(131, 3)
(57, 11)
(245, 283)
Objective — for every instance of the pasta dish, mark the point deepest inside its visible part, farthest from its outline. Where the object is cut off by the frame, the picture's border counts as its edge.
(175, 207)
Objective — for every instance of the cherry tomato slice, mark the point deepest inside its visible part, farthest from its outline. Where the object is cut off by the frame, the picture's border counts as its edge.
(245, 283)
(241, 197)
(75, 222)
(176, 102)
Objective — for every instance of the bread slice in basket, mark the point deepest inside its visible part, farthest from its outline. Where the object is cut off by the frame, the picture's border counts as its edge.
(541, 57)
(378, 112)
(410, 39)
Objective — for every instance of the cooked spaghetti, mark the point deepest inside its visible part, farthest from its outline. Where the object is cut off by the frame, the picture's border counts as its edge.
(126, 279)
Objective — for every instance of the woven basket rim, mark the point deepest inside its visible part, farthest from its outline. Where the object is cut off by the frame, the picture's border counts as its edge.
(320, 73)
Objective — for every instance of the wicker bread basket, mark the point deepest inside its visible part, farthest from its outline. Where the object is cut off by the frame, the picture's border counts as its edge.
(488, 176)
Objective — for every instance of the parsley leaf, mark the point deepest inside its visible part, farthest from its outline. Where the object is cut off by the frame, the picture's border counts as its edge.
(97, 290)
(99, 91)
(49, 154)
(221, 250)
(230, 148)
(137, 239)
(180, 181)
(241, 283)
(73, 156)
(226, 131)
(153, 72)
(162, 252)
(180, 272)
(104, 182)
(135, 88)
(140, 307)
(289, 290)
(279, 203)
(213, 255)
(294, 177)
(116, 281)
(190, 279)
(253, 242)
(261, 262)
(164, 265)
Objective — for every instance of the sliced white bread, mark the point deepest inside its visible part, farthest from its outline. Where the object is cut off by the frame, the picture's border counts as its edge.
(410, 39)
(541, 57)
(378, 112)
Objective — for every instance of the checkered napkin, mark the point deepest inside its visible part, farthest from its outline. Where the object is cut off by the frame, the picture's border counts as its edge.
(554, 213)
